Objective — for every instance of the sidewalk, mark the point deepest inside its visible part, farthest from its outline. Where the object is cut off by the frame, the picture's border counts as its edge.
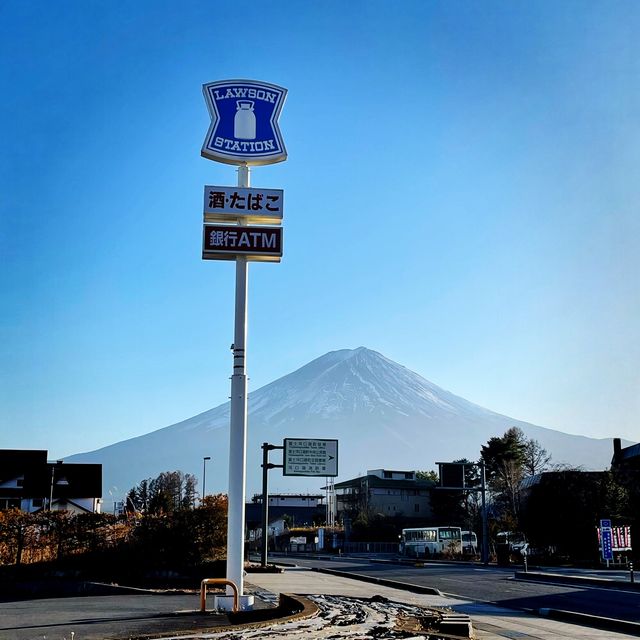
(489, 622)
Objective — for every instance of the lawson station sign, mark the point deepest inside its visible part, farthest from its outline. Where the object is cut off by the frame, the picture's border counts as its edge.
(244, 122)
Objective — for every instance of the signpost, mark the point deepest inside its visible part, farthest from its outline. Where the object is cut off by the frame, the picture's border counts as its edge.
(244, 132)
(306, 457)
(452, 476)
(301, 457)
(606, 540)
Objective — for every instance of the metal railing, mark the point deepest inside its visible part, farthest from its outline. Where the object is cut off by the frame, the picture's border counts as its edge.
(203, 592)
(370, 547)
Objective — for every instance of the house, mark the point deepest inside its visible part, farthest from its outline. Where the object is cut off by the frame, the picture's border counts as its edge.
(285, 510)
(30, 483)
(386, 492)
(627, 458)
(18, 467)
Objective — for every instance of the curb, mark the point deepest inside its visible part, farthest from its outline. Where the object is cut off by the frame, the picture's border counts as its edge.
(587, 620)
(395, 584)
(291, 607)
(107, 589)
(558, 578)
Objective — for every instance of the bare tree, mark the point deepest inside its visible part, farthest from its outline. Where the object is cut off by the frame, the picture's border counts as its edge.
(536, 459)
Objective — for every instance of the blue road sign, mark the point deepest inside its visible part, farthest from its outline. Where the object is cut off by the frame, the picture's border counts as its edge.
(606, 539)
(244, 122)
(607, 544)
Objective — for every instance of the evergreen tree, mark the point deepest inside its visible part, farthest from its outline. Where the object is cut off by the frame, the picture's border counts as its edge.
(190, 491)
(504, 459)
(170, 491)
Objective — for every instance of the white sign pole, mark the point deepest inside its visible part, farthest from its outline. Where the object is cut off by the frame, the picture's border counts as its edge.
(238, 422)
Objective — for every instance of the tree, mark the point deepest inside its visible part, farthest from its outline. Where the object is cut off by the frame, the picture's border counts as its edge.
(170, 491)
(182, 537)
(139, 496)
(14, 533)
(369, 526)
(190, 491)
(536, 459)
(161, 501)
(504, 459)
(428, 475)
(508, 460)
(563, 508)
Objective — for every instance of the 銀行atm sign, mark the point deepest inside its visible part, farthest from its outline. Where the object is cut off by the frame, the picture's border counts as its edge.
(256, 243)
(244, 122)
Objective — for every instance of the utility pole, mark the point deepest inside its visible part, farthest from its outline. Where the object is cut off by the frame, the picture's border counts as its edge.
(204, 477)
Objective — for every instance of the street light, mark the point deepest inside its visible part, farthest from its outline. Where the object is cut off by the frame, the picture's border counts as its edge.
(62, 482)
(204, 477)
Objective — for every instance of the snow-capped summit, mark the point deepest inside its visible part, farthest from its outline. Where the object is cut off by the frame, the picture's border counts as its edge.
(352, 381)
(383, 414)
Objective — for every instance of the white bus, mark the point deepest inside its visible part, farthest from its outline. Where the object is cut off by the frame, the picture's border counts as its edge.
(424, 542)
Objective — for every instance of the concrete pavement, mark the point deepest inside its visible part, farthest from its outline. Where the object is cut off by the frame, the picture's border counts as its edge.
(489, 622)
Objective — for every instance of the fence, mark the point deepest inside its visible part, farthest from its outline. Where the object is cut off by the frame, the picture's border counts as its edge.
(371, 547)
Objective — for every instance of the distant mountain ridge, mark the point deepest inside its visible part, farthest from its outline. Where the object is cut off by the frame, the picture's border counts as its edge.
(383, 414)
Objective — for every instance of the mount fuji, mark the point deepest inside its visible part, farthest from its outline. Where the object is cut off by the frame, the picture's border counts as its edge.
(383, 415)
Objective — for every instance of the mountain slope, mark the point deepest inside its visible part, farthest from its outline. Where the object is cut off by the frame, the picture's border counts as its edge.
(383, 414)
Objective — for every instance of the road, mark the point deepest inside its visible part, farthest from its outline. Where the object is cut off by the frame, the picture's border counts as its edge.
(494, 585)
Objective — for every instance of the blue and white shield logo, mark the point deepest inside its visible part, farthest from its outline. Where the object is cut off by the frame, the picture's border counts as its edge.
(244, 122)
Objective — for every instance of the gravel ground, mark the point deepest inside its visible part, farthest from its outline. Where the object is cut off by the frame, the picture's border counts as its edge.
(343, 618)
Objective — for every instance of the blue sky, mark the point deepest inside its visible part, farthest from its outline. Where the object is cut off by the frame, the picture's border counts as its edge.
(461, 195)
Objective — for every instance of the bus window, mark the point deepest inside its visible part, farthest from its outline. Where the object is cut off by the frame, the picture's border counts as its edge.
(449, 534)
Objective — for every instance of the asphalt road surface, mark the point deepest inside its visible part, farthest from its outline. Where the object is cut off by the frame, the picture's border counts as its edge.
(94, 618)
(494, 585)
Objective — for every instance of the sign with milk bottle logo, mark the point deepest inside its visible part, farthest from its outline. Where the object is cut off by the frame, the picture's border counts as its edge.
(244, 122)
